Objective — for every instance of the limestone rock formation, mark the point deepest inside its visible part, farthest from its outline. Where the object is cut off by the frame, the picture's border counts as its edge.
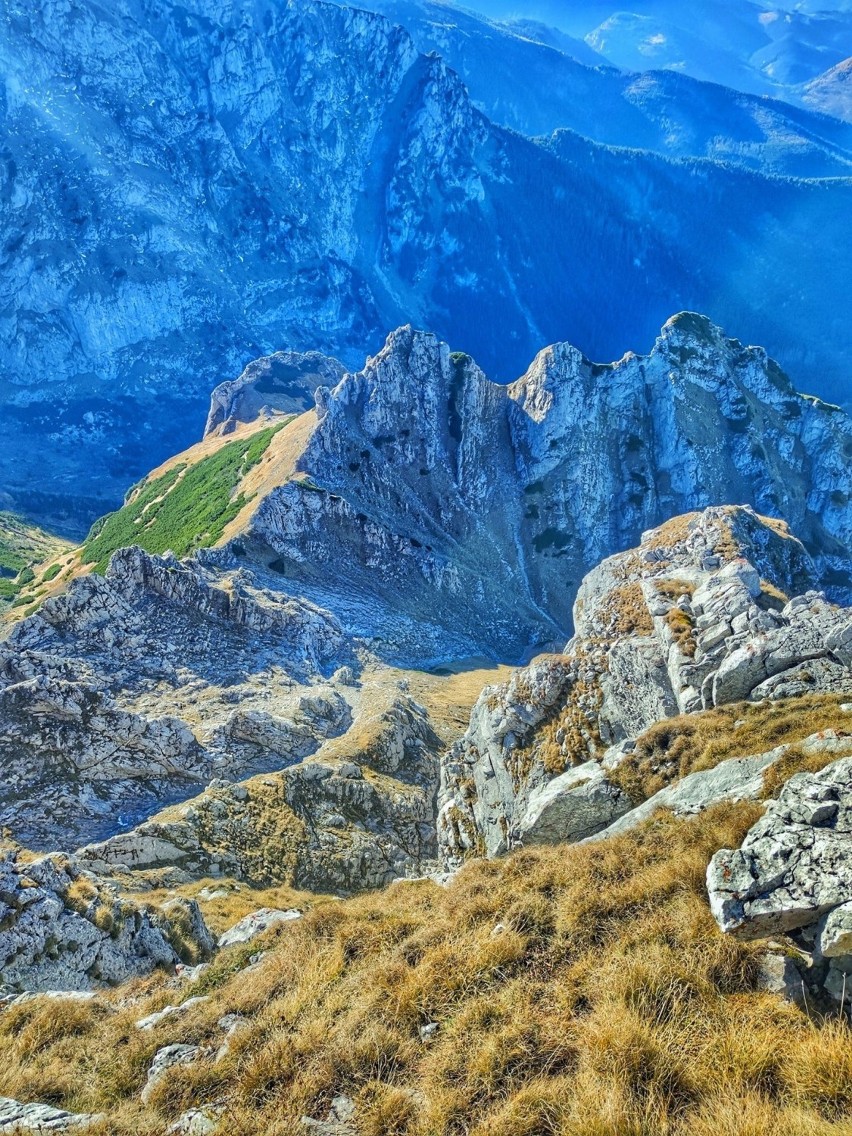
(168, 1058)
(793, 874)
(737, 779)
(285, 381)
(572, 807)
(326, 823)
(697, 617)
(63, 930)
(250, 926)
(424, 514)
(98, 694)
(795, 864)
(17, 1118)
(422, 468)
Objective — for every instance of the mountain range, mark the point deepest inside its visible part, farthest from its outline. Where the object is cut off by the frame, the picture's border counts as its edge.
(761, 48)
(186, 190)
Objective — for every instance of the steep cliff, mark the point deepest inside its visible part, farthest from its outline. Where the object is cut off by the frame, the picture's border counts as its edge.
(474, 510)
(204, 188)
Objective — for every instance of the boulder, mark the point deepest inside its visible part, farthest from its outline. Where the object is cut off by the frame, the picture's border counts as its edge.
(737, 779)
(572, 807)
(834, 933)
(250, 926)
(197, 1121)
(167, 1058)
(155, 1019)
(339, 1121)
(41, 1118)
(63, 931)
(795, 863)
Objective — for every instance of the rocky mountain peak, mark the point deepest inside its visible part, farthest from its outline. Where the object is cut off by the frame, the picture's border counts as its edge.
(421, 453)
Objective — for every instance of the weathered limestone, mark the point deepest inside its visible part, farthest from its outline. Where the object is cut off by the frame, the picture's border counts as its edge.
(793, 875)
(167, 1058)
(737, 779)
(284, 382)
(62, 932)
(250, 926)
(42, 1119)
(795, 864)
(696, 617)
(572, 807)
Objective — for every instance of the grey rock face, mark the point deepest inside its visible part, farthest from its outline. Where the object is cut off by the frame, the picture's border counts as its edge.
(62, 932)
(197, 1121)
(695, 617)
(250, 926)
(572, 807)
(41, 1118)
(151, 1021)
(422, 466)
(793, 875)
(779, 975)
(834, 936)
(795, 864)
(98, 694)
(325, 823)
(738, 779)
(339, 1121)
(285, 381)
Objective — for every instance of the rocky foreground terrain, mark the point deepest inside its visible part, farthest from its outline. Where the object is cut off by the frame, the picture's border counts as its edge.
(314, 694)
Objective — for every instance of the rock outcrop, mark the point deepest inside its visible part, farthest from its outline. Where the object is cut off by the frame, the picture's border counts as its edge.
(793, 874)
(357, 814)
(17, 1118)
(64, 930)
(697, 617)
(795, 864)
(99, 694)
(421, 472)
(737, 779)
(283, 382)
(250, 926)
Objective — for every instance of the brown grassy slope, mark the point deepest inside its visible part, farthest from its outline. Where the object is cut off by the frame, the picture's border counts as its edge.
(608, 1005)
(675, 747)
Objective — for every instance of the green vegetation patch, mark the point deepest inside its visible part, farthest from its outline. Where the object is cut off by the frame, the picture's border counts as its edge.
(187, 508)
(21, 546)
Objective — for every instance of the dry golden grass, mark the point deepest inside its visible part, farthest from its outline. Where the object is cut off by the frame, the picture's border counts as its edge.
(674, 531)
(224, 902)
(630, 615)
(675, 747)
(608, 1005)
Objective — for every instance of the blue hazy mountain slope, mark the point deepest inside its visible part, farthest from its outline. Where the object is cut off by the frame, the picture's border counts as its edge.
(185, 189)
(759, 47)
(536, 89)
(832, 92)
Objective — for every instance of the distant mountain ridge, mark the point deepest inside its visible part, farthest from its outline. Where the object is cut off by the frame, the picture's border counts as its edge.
(760, 48)
(205, 191)
(535, 88)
